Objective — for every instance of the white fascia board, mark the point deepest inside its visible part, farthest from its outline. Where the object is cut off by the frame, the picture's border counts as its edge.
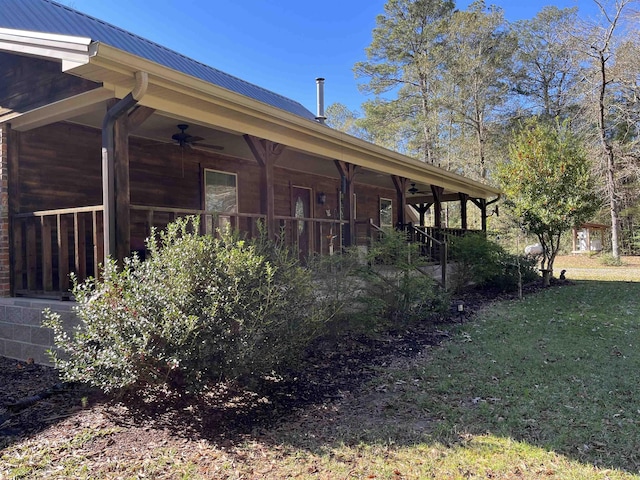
(71, 51)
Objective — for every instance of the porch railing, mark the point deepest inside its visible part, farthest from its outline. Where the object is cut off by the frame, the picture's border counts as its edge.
(323, 236)
(49, 244)
(144, 217)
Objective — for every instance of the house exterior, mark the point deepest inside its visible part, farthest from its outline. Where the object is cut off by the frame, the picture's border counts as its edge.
(104, 135)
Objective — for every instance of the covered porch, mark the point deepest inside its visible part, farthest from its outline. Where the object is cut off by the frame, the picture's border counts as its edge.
(126, 144)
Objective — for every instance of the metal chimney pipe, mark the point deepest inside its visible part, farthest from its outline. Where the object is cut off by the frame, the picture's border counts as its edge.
(320, 89)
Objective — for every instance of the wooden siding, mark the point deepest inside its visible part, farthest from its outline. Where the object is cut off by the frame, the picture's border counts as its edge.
(27, 83)
(60, 167)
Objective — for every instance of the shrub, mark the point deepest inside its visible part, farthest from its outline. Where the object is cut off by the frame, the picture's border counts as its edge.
(395, 288)
(199, 310)
(484, 263)
(609, 260)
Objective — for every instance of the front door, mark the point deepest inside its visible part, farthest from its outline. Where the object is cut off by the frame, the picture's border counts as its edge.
(301, 208)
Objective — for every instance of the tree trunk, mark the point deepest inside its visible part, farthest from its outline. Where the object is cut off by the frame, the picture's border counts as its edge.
(607, 149)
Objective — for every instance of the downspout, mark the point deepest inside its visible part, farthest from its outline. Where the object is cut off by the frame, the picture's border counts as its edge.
(108, 161)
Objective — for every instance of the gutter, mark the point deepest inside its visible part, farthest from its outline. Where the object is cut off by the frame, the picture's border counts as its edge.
(108, 161)
(232, 109)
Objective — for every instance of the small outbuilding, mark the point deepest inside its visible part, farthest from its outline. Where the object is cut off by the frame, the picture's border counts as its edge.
(588, 237)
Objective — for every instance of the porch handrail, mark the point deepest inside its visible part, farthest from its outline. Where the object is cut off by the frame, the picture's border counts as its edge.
(194, 211)
(60, 211)
(443, 250)
(315, 220)
(49, 244)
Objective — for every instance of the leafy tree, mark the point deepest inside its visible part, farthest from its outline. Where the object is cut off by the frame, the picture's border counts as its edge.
(548, 184)
(404, 58)
(478, 68)
(339, 117)
(547, 71)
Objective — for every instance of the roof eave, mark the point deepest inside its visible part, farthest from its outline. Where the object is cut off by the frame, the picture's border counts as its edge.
(72, 51)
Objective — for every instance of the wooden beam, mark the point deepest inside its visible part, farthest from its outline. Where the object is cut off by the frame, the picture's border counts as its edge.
(463, 210)
(401, 193)
(437, 205)
(422, 209)
(482, 204)
(61, 110)
(266, 154)
(347, 173)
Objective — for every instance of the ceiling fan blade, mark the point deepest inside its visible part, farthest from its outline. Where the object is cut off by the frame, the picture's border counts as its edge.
(191, 139)
(155, 144)
(207, 146)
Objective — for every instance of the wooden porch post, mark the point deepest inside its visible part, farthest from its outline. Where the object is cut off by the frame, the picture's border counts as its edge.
(266, 154)
(9, 141)
(422, 209)
(483, 214)
(123, 126)
(401, 193)
(463, 210)
(122, 189)
(347, 173)
(437, 205)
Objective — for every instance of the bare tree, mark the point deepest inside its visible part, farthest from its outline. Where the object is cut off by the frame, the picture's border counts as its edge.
(601, 43)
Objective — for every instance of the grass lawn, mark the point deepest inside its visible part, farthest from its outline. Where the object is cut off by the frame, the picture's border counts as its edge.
(540, 388)
(586, 267)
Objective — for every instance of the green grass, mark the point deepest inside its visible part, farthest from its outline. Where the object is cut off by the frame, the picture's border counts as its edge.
(557, 372)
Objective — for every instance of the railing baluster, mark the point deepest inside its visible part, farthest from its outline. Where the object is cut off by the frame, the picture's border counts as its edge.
(47, 258)
(80, 246)
(63, 254)
(18, 255)
(32, 255)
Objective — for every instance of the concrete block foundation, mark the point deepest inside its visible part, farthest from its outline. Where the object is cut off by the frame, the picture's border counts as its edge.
(22, 335)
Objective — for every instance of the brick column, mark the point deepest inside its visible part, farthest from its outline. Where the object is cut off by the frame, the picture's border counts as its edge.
(5, 266)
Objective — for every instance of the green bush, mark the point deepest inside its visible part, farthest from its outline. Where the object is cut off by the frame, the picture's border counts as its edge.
(394, 287)
(199, 310)
(484, 263)
(609, 260)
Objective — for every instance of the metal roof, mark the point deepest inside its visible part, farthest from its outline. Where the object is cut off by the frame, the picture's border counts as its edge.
(51, 17)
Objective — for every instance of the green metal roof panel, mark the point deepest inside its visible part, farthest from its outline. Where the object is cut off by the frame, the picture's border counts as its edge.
(50, 17)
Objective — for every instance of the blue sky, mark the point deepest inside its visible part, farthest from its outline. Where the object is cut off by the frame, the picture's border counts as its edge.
(281, 45)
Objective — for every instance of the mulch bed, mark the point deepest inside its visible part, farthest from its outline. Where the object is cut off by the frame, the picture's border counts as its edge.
(33, 399)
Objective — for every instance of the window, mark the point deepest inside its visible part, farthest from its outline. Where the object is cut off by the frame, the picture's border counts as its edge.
(221, 197)
(386, 212)
(220, 192)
